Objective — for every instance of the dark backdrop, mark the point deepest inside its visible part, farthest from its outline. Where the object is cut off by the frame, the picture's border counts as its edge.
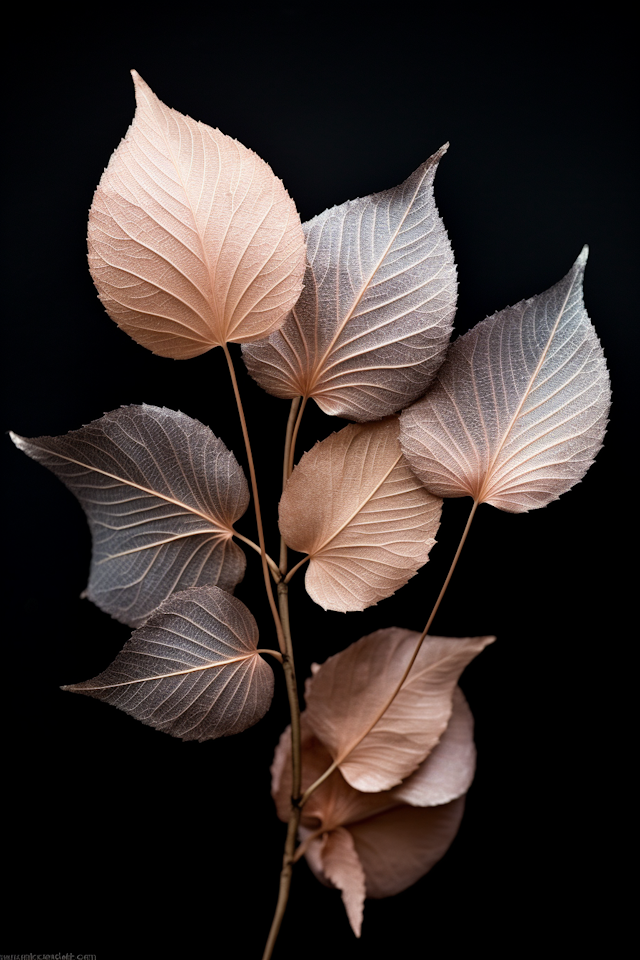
(125, 842)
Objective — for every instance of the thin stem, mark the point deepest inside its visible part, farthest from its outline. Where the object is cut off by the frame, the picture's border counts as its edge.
(275, 572)
(256, 501)
(293, 569)
(336, 763)
(272, 653)
(292, 452)
(285, 881)
(295, 403)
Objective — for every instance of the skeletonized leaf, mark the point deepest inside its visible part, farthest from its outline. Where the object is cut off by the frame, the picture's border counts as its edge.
(346, 694)
(193, 670)
(520, 406)
(448, 770)
(193, 242)
(374, 319)
(355, 507)
(161, 494)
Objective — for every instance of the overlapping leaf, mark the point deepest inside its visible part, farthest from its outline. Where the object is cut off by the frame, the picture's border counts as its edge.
(193, 242)
(193, 670)
(520, 406)
(346, 694)
(374, 319)
(354, 506)
(161, 494)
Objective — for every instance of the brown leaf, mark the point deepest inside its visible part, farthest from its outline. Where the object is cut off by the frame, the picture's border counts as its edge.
(346, 694)
(355, 507)
(520, 406)
(193, 242)
(193, 670)
(161, 494)
(374, 320)
(342, 867)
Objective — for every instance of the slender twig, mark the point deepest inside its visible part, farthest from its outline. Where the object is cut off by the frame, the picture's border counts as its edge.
(285, 881)
(273, 567)
(256, 502)
(295, 403)
(292, 453)
(272, 653)
(293, 569)
(341, 759)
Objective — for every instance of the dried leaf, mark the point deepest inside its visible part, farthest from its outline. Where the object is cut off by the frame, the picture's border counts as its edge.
(161, 494)
(193, 670)
(346, 694)
(193, 242)
(374, 320)
(448, 770)
(355, 507)
(520, 406)
(342, 867)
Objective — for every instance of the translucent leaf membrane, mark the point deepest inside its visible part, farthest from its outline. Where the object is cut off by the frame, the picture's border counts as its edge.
(193, 670)
(161, 494)
(373, 322)
(193, 242)
(376, 844)
(520, 406)
(355, 507)
(347, 693)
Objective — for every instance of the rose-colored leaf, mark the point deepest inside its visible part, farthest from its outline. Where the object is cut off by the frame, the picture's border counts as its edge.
(448, 771)
(193, 242)
(341, 866)
(161, 494)
(375, 316)
(355, 507)
(346, 694)
(398, 847)
(193, 670)
(520, 406)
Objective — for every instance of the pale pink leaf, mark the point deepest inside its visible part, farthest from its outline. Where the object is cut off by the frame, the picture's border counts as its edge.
(354, 506)
(193, 242)
(519, 408)
(348, 691)
(193, 670)
(161, 494)
(341, 866)
(398, 847)
(448, 770)
(372, 325)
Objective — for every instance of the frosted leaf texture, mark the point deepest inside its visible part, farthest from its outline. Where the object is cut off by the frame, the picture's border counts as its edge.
(373, 322)
(520, 406)
(193, 242)
(347, 693)
(367, 523)
(193, 669)
(161, 494)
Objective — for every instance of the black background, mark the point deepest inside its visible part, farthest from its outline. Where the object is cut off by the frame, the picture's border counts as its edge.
(122, 841)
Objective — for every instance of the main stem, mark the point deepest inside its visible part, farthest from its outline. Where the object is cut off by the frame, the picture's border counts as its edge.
(256, 503)
(336, 763)
(294, 707)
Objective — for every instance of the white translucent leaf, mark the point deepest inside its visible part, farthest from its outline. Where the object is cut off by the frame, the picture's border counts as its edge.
(373, 322)
(161, 494)
(193, 670)
(519, 408)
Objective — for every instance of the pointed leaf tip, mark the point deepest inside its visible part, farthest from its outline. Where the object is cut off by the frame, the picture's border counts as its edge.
(193, 241)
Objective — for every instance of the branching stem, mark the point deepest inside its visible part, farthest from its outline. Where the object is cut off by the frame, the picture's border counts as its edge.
(256, 502)
(292, 451)
(273, 567)
(295, 403)
(383, 710)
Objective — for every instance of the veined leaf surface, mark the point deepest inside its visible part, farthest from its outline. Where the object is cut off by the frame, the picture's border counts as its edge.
(161, 494)
(346, 694)
(370, 330)
(192, 670)
(520, 406)
(193, 241)
(355, 507)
